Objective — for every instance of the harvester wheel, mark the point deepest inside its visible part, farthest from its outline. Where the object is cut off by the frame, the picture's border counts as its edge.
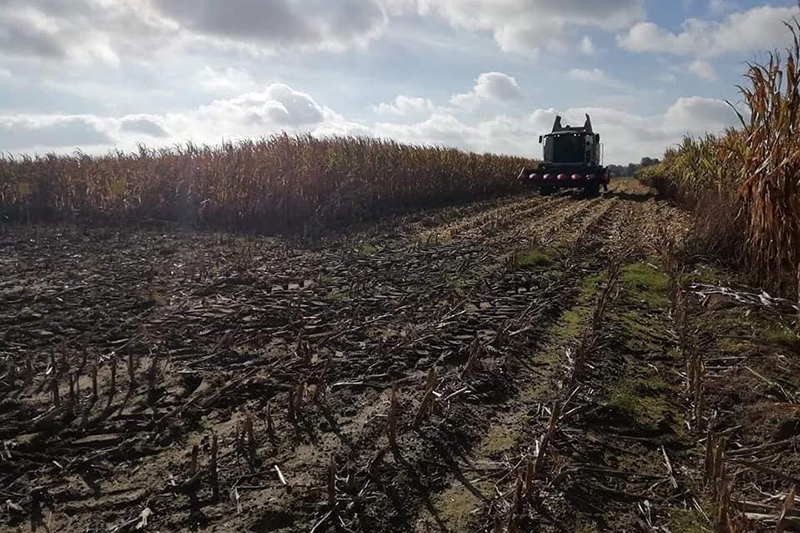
(592, 190)
(545, 190)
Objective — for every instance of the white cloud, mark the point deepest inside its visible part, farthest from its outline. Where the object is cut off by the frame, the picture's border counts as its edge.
(489, 87)
(703, 69)
(5, 74)
(250, 115)
(599, 77)
(82, 31)
(627, 136)
(759, 28)
(228, 81)
(529, 26)
(719, 7)
(149, 125)
(439, 129)
(697, 114)
(253, 114)
(89, 31)
(587, 46)
(268, 26)
(18, 132)
(404, 106)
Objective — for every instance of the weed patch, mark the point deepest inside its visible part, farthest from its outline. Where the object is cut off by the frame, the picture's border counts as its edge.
(782, 337)
(366, 250)
(644, 403)
(646, 283)
(686, 521)
(531, 257)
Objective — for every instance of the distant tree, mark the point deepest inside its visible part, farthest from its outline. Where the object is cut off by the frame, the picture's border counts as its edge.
(617, 170)
(631, 168)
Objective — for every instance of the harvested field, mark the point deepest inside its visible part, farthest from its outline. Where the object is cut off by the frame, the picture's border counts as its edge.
(510, 365)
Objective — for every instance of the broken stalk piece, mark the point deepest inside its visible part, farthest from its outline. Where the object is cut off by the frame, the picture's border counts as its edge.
(94, 380)
(426, 406)
(54, 391)
(551, 429)
(270, 423)
(28, 370)
(251, 439)
(391, 426)
(332, 485)
(213, 467)
(473, 361)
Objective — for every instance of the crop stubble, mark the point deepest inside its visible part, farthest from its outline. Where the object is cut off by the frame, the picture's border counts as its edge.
(287, 356)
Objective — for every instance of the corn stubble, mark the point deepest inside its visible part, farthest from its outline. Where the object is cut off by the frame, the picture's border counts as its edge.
(273, 184)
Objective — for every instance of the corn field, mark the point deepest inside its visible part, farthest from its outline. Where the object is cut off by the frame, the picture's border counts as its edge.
(698, 167)
(744, 185)
(771, 159)
(273, 184)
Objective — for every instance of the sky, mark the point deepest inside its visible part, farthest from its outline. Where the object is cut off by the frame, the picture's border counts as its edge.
(481, 75)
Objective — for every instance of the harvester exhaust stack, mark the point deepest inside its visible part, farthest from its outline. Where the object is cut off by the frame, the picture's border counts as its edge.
(558, 126)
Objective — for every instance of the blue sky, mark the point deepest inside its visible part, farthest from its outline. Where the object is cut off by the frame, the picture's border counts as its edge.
(483, 75)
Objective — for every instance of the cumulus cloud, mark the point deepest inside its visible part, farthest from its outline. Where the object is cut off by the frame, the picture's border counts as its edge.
(698, 114)
(87, 31)
(627, 136)
(107, 30)
(83, 31)
(250, 115)
(489, 87)
(288, 107)
(528, 26)
(440, 129)
(278, 108)
(143, 124)
(279, 24)
(404, 106)
(50, 131)
(756, 29)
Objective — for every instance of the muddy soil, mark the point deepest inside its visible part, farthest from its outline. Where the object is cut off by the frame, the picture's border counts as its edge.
(402, 377)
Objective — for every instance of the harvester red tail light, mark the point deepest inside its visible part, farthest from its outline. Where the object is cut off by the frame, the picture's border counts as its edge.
(562, 177)
(548, 176)
(577, 176)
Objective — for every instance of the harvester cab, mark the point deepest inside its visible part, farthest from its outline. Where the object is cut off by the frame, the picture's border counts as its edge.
(572, 159)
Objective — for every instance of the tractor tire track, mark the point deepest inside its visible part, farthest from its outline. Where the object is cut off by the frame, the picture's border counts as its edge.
(452, 506)
(499, 217)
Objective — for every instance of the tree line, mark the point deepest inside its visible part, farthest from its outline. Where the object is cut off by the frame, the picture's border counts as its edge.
(631, 168)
